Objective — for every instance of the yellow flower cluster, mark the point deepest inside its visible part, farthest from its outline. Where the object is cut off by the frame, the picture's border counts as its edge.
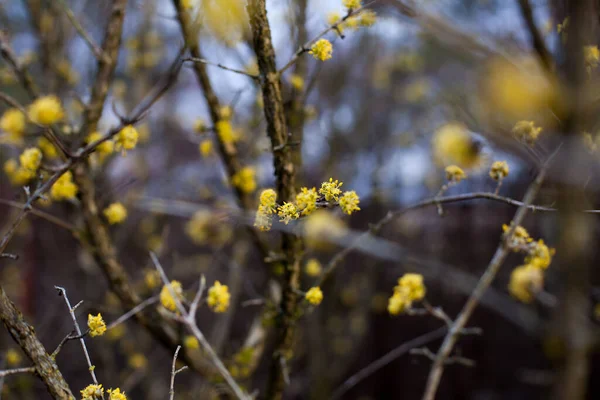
(313, 267)
(96, 325)
(116, 394)
(352, 4)
(64, 188)
(296, 81)
(218, 297)
(126, 139)
(499, 170)
(322, 50)
(349, 202)
(528, 279)
(245, 180)
(104, 149)
(166, 298)
(526, 131)
(92, 392)
(115, 213)
(46, 110)
(206, 147)
(204, 228)
(13, 123)
(12, 357)
(453, 144)
(455, 174)
(22, 172)
(226, 132)
(314, 296)
(191, 343)
(50, 151)
(306, 202)
(410, 288)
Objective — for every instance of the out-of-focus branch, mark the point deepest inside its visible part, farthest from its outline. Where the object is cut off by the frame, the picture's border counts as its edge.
(86, 37)
(285, 174)
(14, 371)
(24, 335)
(226, 68)
(21, 72)
(537, 40)
(484, 283)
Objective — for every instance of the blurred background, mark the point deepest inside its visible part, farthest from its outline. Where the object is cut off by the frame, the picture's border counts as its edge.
(366, 117)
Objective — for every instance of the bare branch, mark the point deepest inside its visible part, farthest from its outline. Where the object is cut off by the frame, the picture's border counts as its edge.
(86, 37)
(237, 71)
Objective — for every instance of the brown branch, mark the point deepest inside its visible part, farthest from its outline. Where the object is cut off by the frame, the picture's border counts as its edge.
(86, 37)
(24, 335)
(14, 371)
(7, 53)
(484, 283)
(223, 67)
(539, 45)
(285, 173)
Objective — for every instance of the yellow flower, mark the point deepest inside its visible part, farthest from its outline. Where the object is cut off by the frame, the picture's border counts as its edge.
(306, 200)
(191, 343)
(267, 201)
(50, 151)
(199, 125)
(412, 286)
(92, 392)
(352, 4)
(499, 170)
(313, 267)
(151, 278)
(226, 132)
(96, 325)
(13, 357)
(116, 394)
(526, 131)
(454, 173)
(540, 256)
(592, 56)
(367, 18)
(218, 297)
(331, 190)
(525, 282)
(397, 304)
(333, 18)
(64, 188)
(225, 112)
(322, 50)
(126, 139)
(520, 236)
(13, 123)
(296, 81)
(166, 298)
(245, 180)
(137, 361)
(103, 149)
(115, 213)
(452, 144)
(206, 147)
(46, 110)
(18, 175)
(321, 227)
(287, 212)
(204, 228)
(349, 202)
(314, 296)
(31, 159)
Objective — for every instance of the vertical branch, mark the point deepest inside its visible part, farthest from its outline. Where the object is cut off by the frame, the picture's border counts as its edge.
(285, 173)
(24, 335)
(537, 39)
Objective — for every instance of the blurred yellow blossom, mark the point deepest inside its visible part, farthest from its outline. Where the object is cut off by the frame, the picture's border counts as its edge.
(314, 296)
(296, 81)
(592, 57)
(46, 110)
(525, 282)
(410, 288)
(313, 267)
(13, 123)
(218, 297)
(115, 213)
(191, 343)
(453, 144)
(499, 170)
(349, 202)
(103, 149)
(206, 147)
(226, 132)
(166, 298)
(245, 180)
(455, 173)
(31, 159)
(13, 358)
(526, 131)
(126, 139)
(50, 151)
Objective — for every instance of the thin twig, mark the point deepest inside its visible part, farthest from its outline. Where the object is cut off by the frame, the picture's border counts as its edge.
(537, 39)
(173, 373)
(386, 359)
(237, 71)
(133, 311)
(189, 321)
(86, 37)
(44, 215)
(13, 371)
(306, 46)
(63, 292)
(485, 281)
